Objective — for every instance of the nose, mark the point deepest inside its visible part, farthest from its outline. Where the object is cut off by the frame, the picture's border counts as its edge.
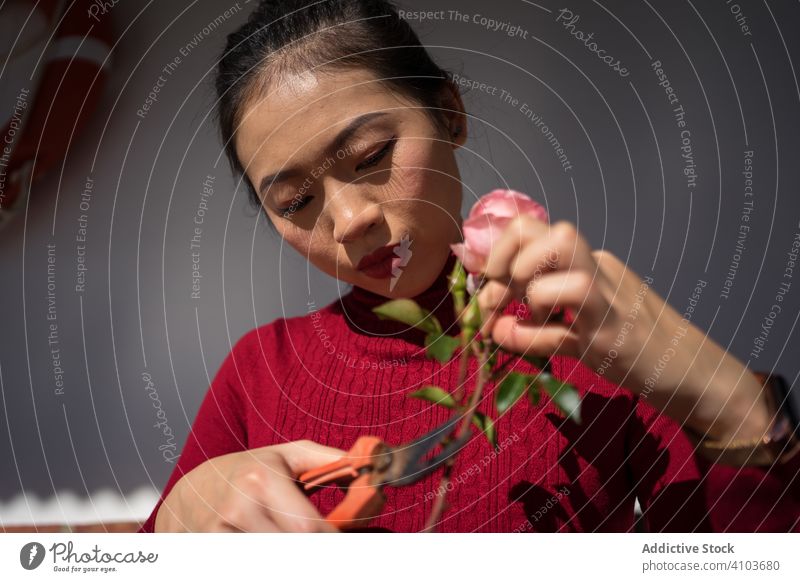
(354, 214)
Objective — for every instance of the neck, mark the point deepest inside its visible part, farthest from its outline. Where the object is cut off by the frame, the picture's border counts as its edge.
(358, 304)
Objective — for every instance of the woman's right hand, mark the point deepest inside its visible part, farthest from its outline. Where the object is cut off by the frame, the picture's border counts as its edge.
(248, 491)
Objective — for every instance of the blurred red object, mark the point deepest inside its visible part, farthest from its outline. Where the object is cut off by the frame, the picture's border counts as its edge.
(56, 63)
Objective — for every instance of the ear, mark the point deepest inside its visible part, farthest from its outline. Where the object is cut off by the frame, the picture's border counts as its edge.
(452, 108)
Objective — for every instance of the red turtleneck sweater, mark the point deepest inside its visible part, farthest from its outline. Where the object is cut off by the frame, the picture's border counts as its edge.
(340, 372)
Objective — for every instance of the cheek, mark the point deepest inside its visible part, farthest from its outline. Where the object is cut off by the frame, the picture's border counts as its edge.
(301, 242)
(307, 243)
(426, 172)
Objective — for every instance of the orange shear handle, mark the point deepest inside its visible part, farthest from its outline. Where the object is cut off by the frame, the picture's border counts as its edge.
(363, 500)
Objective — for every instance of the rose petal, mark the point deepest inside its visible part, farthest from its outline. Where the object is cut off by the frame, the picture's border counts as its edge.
(483, 232)
(487, 219)
(472, 262)
(508, 203)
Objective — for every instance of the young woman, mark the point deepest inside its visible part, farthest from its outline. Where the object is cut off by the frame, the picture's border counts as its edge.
(344, 131)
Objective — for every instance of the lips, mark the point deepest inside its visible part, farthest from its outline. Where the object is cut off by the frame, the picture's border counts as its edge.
(378, 264)
(376, 257)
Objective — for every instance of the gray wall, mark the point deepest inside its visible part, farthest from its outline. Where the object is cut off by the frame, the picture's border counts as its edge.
(624, 186)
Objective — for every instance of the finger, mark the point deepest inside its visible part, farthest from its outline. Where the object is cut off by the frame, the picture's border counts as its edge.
(573, 289)
(291, 510)
(492, 299)
(265, 497)
(525, 338)
(304, 455)
(208, 500)
(256, 523)
(540, 315)
(297, 513)
(563, 249)
(243, 512)
(610, 264)
(517, 234)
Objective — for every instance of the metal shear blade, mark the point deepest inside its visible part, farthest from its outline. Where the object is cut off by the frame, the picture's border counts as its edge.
(409, 464)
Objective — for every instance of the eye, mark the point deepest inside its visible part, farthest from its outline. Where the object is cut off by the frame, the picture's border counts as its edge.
(295, 206)
(377, 157)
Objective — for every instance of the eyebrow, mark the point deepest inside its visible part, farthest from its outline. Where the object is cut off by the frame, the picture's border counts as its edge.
(336, 144)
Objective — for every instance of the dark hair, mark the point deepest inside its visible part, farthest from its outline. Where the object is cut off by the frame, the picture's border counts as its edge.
(283, 36)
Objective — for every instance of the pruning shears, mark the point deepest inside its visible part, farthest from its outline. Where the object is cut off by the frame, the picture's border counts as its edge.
(371, 464)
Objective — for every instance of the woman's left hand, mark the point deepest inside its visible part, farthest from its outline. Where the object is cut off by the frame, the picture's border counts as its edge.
(620, 327)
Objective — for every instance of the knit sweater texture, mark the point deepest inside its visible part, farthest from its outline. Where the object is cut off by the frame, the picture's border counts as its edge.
(340, 372)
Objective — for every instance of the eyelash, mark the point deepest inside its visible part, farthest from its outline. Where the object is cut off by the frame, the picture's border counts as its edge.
(368, 163)
(376, 158)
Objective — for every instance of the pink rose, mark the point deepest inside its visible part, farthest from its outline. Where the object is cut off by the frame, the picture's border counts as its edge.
(486, 221)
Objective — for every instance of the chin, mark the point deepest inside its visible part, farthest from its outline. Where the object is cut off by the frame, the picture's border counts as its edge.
(411, 282)
(401, 289)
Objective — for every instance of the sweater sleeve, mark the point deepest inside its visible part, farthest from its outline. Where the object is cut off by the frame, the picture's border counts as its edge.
(681, 491)
(218, 428)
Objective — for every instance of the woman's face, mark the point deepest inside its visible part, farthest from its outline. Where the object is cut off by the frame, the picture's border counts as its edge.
(355, 177)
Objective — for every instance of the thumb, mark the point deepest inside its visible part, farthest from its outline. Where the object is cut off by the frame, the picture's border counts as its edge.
(304, 455)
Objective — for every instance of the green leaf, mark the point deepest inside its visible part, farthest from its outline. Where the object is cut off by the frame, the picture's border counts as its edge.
(409, 312)
(510, 390)
(534, 393)
(471, 317)
(441, 346)
(441, 397)
(436, 395)
(564, 396)
(486, 425)
(458, 286)
(458, 278)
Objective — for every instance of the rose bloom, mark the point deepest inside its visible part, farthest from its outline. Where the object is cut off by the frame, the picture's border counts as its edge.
(486, 221)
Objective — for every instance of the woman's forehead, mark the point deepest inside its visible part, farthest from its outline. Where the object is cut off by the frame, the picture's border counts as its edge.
(308, 107)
